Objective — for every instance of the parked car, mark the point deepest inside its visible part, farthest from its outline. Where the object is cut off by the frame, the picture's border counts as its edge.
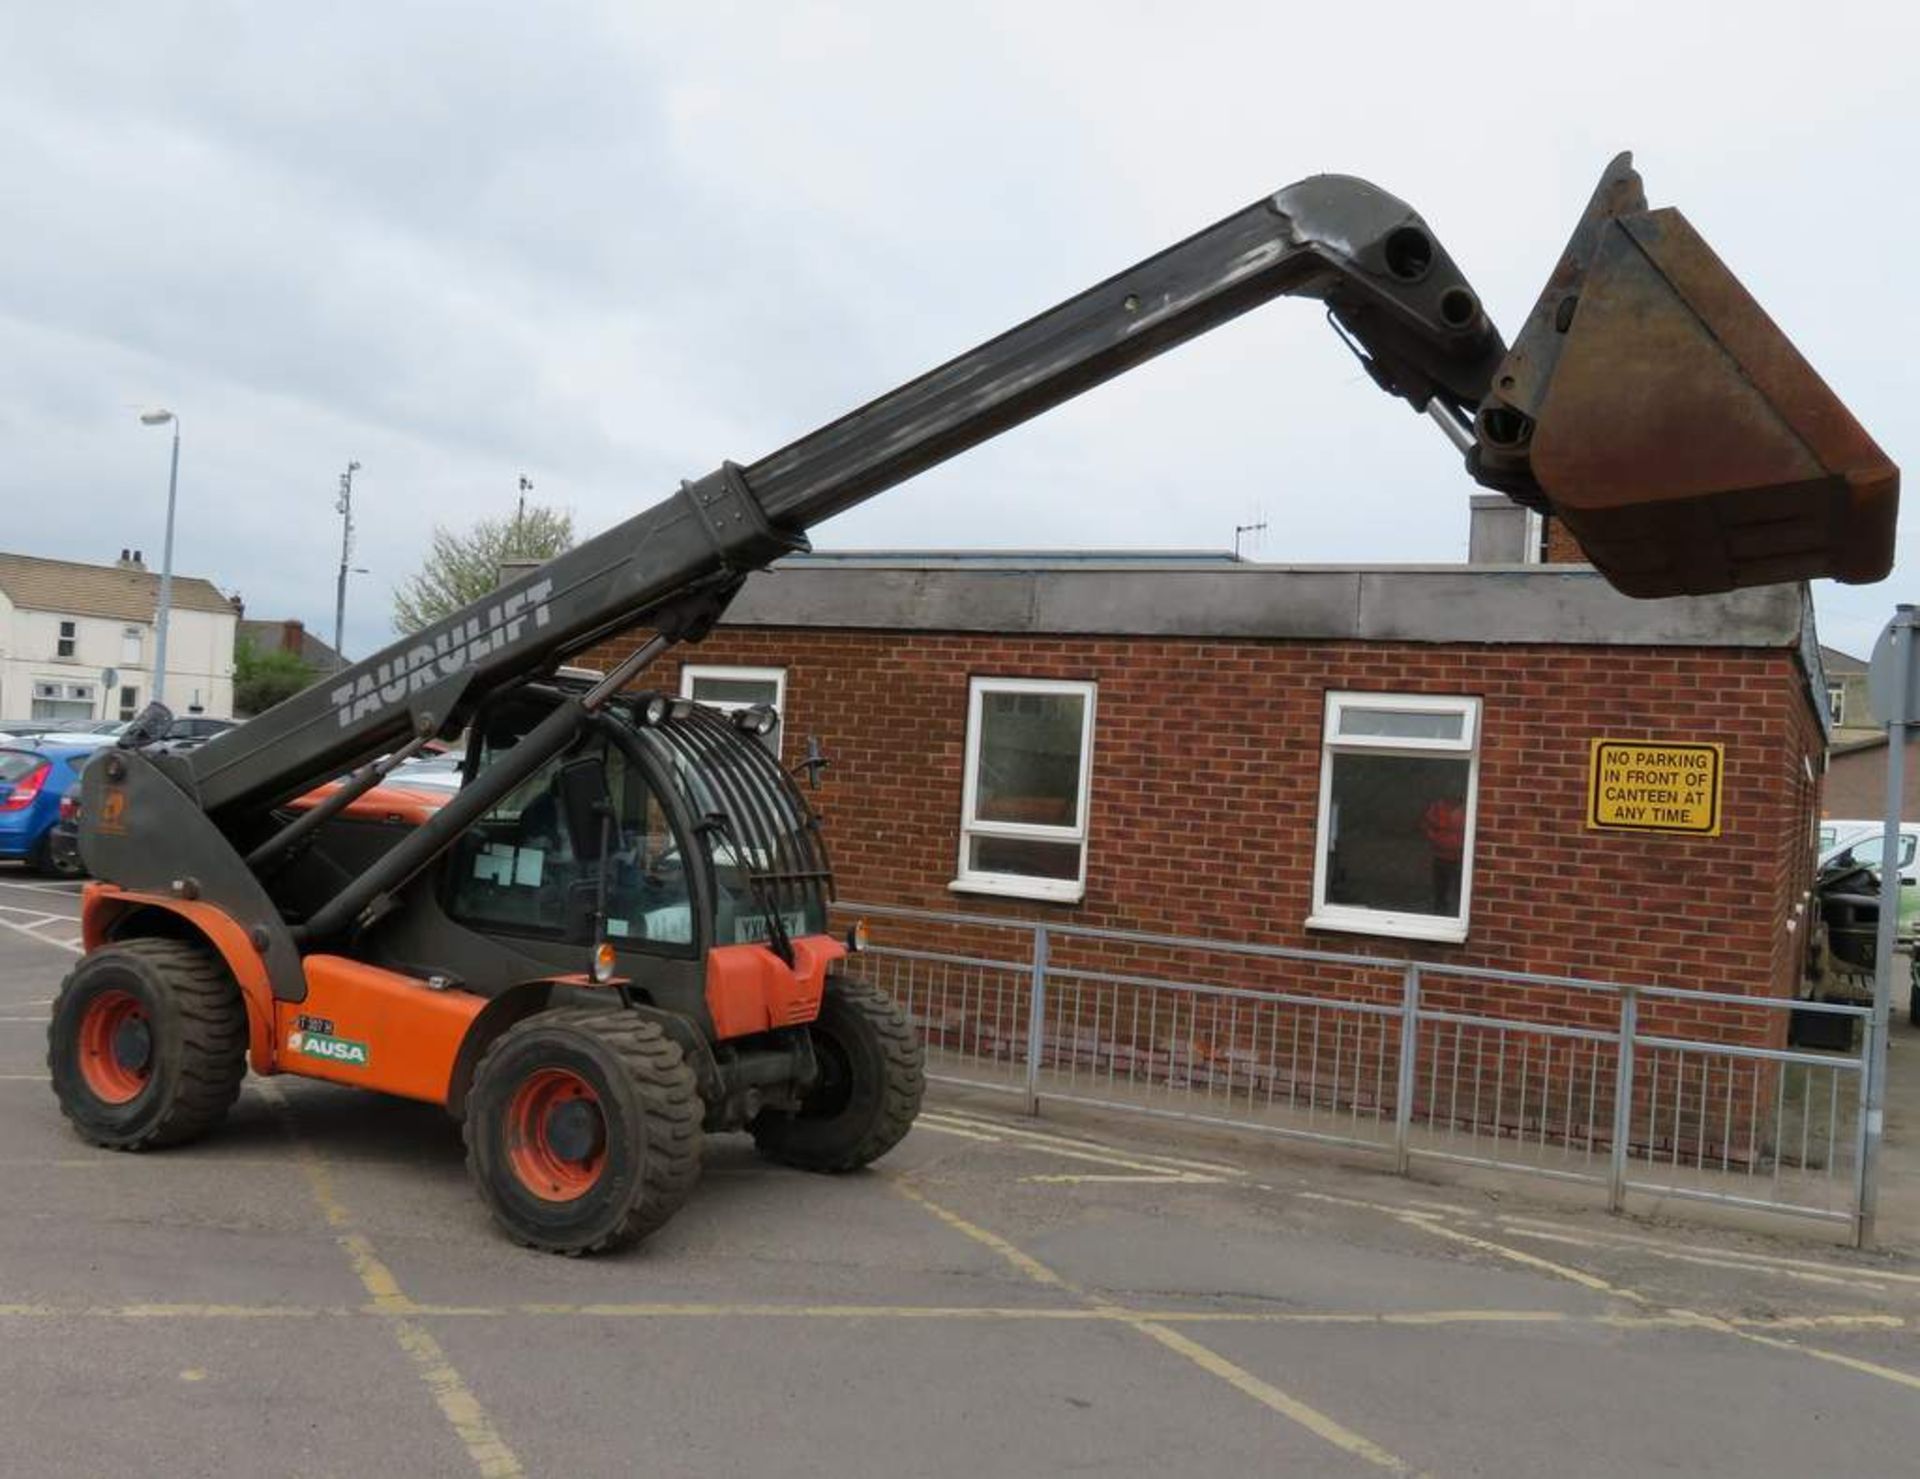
(32, 783)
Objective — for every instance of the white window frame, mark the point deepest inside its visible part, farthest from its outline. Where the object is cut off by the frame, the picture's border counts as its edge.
(133, 647)
(1352, 918)
(1020, 885)
(66, 636)
(1837, 704)
(731, 672)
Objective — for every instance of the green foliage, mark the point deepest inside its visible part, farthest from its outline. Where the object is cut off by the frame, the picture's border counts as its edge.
(263, 679)
(464, 566)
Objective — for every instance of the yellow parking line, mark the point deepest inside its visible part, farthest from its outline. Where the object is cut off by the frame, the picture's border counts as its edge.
(1268, 1395)
(1208, 1360)
(458, 1405)
(1033, 1268)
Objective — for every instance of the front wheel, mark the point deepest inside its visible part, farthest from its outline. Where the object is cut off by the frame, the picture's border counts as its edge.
(872, 1078)
(583, 1129)
(147, 1044)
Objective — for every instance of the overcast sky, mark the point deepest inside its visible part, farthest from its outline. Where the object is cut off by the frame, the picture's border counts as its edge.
(607, 245)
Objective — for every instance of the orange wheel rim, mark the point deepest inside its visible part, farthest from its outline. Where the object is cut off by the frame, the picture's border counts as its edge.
(556, 1135)
(116, 1047)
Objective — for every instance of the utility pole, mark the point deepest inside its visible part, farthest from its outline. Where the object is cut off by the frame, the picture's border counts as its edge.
(343, 505)
(519, 517)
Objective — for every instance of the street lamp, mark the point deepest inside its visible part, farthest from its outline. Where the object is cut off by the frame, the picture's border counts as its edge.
(343, 506)
(162, 418)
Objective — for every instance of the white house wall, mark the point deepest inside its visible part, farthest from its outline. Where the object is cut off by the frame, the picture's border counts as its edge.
(199, 660)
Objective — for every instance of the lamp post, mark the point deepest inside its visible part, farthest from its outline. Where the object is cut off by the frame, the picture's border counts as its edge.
(163, 418)
(343, 506)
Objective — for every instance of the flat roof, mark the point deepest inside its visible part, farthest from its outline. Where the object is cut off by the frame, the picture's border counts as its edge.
(1175, 594)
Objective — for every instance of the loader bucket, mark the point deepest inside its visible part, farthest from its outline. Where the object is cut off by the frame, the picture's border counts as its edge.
(1674, 429)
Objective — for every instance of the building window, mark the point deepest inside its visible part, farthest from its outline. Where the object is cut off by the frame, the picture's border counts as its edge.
(729, 689)
(129, 703)
(1023, 821)
(62, 701)
(69, 639)
(1398, 781)
(130, 646)
(1837, 703)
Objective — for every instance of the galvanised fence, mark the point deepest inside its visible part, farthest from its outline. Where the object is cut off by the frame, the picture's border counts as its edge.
(1635, 1089)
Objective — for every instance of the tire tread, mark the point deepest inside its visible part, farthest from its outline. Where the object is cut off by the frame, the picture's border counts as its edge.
(670, 1106)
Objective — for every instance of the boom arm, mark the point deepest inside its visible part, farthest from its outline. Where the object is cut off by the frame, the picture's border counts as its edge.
(1366, 254)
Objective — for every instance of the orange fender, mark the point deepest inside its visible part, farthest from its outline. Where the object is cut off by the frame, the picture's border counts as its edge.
(104, 904)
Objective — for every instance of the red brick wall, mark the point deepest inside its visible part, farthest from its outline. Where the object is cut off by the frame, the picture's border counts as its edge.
(1857, 784)
(1206, 783)
(1562, 547)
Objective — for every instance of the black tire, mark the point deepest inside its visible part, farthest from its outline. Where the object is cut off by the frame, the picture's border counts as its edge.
(872, 1078)
(44, 860)
(644, 1155)
(148, 1044)
(1913, 987)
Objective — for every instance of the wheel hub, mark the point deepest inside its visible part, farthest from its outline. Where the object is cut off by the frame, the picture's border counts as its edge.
(115, 1047)
(575, 1130)
(556, 1135)
(133, 1045)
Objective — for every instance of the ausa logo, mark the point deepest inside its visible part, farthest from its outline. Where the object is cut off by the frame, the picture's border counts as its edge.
(321, 1045)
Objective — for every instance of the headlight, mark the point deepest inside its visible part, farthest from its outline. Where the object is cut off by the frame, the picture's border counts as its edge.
(758, 719)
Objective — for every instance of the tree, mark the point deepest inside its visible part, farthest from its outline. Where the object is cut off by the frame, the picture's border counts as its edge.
(465, 565)
(263, 679)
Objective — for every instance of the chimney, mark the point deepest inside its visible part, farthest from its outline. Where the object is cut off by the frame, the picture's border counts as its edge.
(1501, 532)
(293, 636)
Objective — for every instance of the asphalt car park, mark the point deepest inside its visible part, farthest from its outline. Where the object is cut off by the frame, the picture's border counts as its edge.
(315, 1290)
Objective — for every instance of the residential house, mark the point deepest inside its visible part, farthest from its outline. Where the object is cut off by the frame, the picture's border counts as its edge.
(77, 641)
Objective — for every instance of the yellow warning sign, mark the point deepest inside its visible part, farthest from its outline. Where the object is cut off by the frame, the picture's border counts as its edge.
(1651, 785)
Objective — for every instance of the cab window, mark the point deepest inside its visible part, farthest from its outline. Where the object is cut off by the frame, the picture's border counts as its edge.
(518, 870)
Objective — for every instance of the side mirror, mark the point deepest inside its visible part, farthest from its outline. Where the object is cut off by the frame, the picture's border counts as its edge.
(587, 803)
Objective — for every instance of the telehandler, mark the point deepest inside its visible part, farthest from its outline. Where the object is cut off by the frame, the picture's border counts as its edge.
(613, 937)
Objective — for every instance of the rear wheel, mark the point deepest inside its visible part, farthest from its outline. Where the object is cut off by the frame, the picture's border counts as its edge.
(44, 859)
(583, 1129)
(872, 1078)
(148, 1044)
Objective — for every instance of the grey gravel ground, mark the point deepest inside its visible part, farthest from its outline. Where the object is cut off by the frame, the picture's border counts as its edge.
(316, 1291)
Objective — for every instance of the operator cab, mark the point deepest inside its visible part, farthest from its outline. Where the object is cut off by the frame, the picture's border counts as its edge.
(705, 841)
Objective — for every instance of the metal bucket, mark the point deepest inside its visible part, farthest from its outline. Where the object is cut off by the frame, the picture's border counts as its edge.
(1654, 407)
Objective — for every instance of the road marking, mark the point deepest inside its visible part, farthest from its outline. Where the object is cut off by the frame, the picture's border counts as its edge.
(1803, 1275)
(1212, 1362)
(26, 933)
(458, 1405)
(1526, 1227)
(1153, 1167)
(998, 1127)
(1584, 1279)
(1739, 1330)
(1032, 1267)
(930, 1126)
(1268, 1395)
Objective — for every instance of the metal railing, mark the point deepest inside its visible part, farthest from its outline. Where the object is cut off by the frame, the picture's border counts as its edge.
(1636, 1089)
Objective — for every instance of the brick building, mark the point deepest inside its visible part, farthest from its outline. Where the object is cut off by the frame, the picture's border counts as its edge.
(1375, 761)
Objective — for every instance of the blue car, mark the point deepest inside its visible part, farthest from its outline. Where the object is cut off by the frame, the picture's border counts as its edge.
(32, 782)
